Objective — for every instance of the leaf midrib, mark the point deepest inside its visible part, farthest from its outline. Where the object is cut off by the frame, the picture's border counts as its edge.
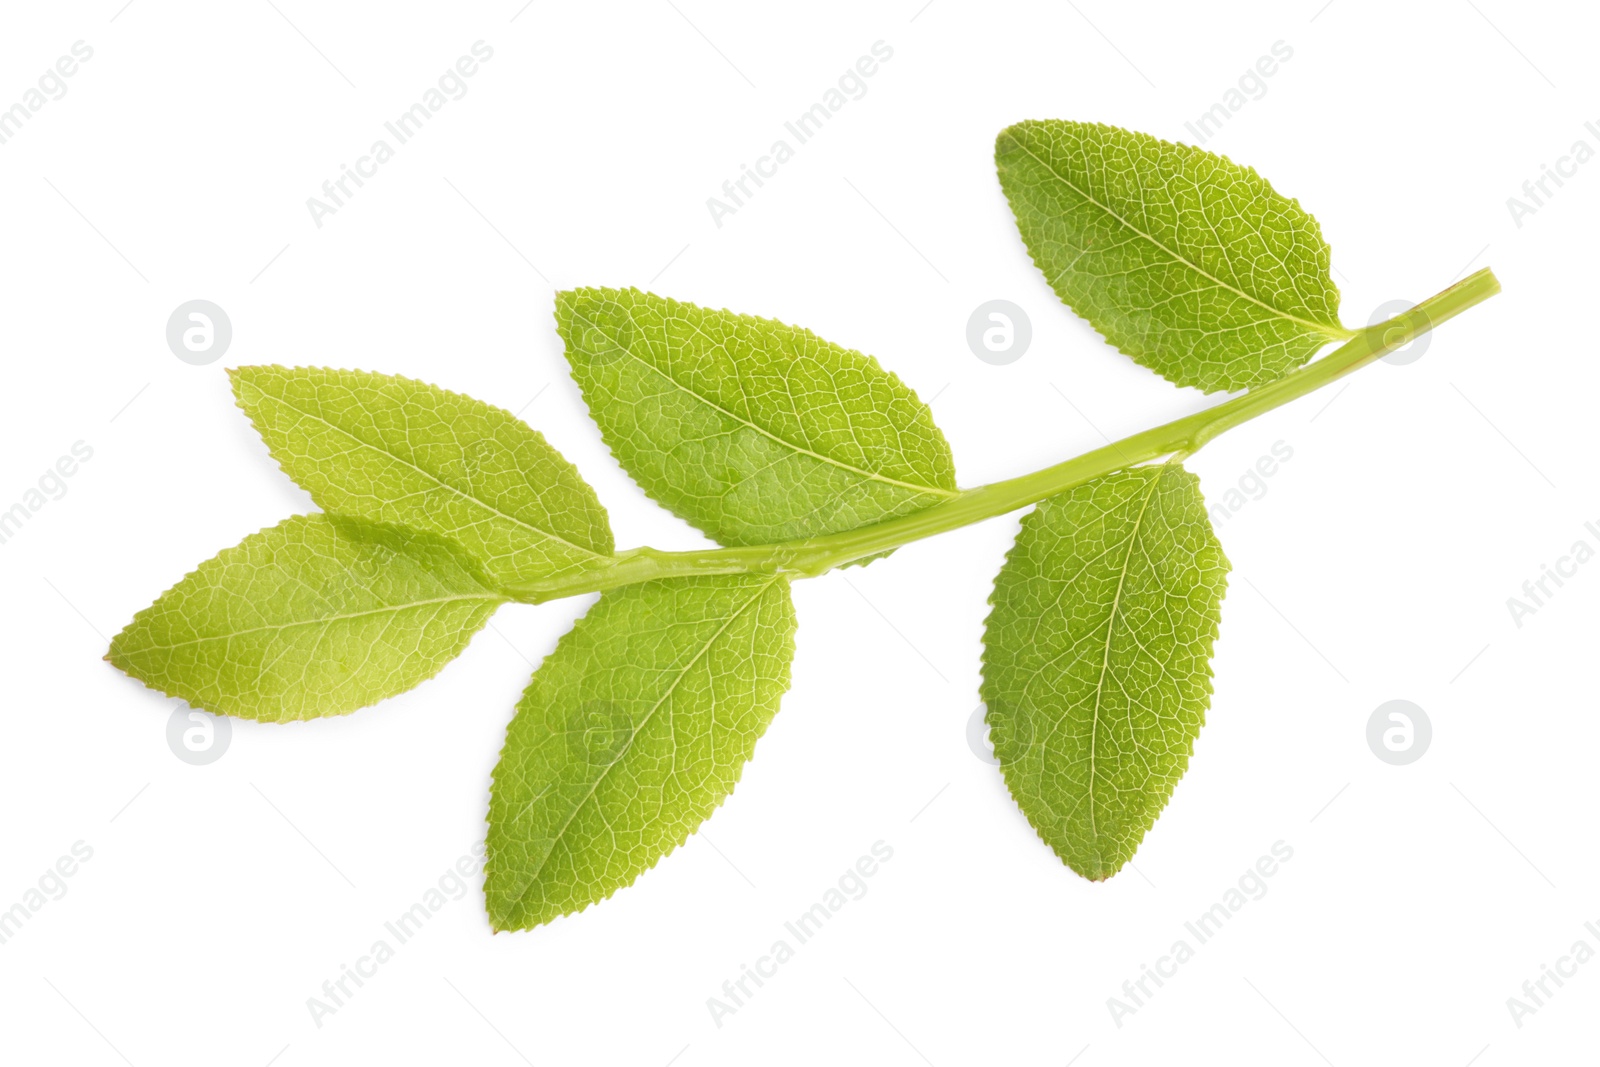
(1332, 333)
(683, 673)
(324, 620)
(1105, 662)
(384, 451)
(830, 461)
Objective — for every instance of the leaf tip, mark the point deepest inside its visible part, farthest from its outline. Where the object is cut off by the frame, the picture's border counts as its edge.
(1098, 872)
(240, 375)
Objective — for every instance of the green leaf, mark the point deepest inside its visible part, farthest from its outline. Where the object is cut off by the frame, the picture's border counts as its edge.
(630, 735)
(1097, 657)
(393, 450)
(753, 431)
(314, 616)
(1189, 263)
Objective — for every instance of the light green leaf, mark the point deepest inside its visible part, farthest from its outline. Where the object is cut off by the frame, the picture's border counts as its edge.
(631, 733)
(314, 616)
(393, 450)
(1097, 655)
(753, 431)
(1189, 263)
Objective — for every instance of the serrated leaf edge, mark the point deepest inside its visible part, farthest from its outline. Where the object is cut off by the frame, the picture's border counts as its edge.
(594, 498)
(1331, 333)
(1188, 754)
(208, 706)
(783, 680)
(872, 361)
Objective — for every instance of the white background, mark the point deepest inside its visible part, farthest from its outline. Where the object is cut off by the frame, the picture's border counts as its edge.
(1376, 566)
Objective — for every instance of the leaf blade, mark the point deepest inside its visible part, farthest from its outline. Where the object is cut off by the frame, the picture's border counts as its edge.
(751, 430)
(1194, 266)
(392, 450)
(314, 616)
(1097, 658)
(629, 735)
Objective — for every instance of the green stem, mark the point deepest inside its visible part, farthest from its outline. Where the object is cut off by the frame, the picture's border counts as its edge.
(813, 556)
